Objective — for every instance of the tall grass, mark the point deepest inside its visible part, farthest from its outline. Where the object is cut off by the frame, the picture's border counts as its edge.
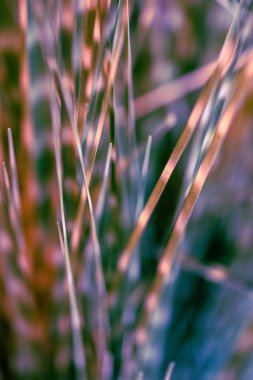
(99, 278)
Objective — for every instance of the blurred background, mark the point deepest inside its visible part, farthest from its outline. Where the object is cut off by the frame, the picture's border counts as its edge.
(56, 60)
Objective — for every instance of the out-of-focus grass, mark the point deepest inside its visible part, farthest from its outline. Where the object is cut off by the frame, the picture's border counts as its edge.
(125, 189)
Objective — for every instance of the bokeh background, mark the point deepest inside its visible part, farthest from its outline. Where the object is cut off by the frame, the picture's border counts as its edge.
(67, 309)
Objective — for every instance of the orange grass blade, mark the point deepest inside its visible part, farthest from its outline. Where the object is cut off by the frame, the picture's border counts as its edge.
(223, 64)
(102, 117)
(167, 171)
(178, 88)
(241, 91)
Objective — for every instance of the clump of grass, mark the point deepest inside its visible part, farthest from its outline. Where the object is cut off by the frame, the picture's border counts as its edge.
(77, 190)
